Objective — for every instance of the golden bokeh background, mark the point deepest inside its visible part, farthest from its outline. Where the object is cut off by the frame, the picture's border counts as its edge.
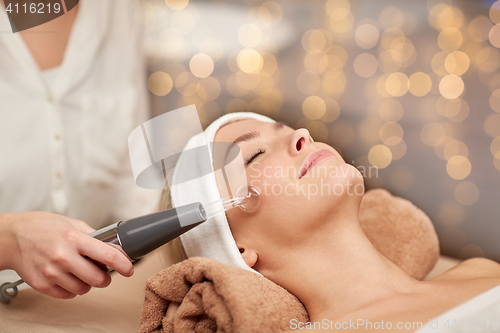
(410, 87)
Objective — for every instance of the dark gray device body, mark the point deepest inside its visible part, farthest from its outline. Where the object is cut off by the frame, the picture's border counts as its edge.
(143, 234)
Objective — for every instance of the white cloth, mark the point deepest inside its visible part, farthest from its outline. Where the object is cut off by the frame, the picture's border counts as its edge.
(49, 75)
(475, 315)
(213, 238)
(63, 146)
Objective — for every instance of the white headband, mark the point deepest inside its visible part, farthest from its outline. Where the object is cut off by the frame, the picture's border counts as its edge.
(213, 238)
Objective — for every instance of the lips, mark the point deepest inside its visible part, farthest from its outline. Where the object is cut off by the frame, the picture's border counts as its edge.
(313, 159)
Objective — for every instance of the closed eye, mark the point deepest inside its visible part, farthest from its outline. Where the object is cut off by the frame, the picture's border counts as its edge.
(254, 156)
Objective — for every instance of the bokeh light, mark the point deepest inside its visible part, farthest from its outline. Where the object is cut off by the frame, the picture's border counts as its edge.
(466, 193)
(365, 65)
(380, 156)
(458, 167)
(419, 84)
(250, 61)
(201, 65)
(160, 83)
(177, 4)
(366, 36)
(451, 86)
(314, 107)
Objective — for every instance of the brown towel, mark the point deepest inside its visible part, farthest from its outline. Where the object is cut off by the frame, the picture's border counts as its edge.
(212, 302)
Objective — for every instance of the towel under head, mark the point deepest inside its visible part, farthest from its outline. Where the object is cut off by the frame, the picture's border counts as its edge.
(213, 238)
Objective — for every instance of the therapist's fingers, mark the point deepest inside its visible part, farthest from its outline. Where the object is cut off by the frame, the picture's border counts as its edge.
(72, 284)
(105, 254)
(80, 225)
(90, 273)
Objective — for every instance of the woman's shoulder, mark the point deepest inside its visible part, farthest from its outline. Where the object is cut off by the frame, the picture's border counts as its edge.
(471, 268)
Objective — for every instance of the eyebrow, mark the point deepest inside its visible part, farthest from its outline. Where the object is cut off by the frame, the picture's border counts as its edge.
(255, 134)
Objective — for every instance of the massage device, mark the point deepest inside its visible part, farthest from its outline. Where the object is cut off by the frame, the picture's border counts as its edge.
(141, 235)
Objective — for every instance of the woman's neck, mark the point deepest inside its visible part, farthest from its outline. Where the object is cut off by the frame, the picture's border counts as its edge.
(340, 271)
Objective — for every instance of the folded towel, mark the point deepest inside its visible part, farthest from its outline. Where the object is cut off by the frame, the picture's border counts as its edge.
(216, 297)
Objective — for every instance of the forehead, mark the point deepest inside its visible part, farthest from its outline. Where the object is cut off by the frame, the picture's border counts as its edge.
(229, 132)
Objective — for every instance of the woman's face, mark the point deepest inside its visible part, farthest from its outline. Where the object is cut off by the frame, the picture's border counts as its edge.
(303, 184)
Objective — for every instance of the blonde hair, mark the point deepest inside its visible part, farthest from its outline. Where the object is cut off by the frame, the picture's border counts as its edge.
(173, 252)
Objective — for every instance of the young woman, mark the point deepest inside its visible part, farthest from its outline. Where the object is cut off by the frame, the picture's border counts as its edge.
(313, 245)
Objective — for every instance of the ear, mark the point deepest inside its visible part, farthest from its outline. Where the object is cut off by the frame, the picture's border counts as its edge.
(250, 256)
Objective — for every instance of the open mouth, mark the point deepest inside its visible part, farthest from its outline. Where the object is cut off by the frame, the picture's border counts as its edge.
(313, 159)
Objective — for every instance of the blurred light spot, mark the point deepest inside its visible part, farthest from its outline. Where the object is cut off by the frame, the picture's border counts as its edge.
(260, 106)
(458, 167)
(201, 65)
(495, 12)
(212, 47)
(391, 17)
(453, 148)
(495, 100)
(171, 41)
(341, 20)
(450, 39)
(270, 64)
(308, 82)
(419, 84)
(318, 131)
(332, 5)
(440, 145)
(456, 110)
(314, 107)
(316, 41)
(234, 88)
(442, 16)
(398, 150)
(334, 87)
(466, 193)
(249, 35)
(160, 83)
(431, 134)
(451, 86)
(479, 28)
(492, 125)
(496, 163)
(397, 84)
(339, 52)
(175, 69)
(365, 65)
(177, 4)
(471, 251)
(369, 130)
(380, 156)
(183, 21)
(390, 35)
(249, 61)
(391, 133)
(270, 13)
(381, 86)
(494, 36)
(332, 111)
(452, 214)
(236, 105)
(457, 63)
(391, 110)
(437, 63)
(341, 134)
(248, 82)
(366, 36)
(316, 62)
(495, 147)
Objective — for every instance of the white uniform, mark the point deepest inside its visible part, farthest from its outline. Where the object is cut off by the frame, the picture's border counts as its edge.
(63, 133)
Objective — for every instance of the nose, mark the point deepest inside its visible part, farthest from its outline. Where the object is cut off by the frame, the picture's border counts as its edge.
(300, 139)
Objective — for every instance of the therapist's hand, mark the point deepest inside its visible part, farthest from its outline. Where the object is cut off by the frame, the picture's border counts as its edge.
(48, 251)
